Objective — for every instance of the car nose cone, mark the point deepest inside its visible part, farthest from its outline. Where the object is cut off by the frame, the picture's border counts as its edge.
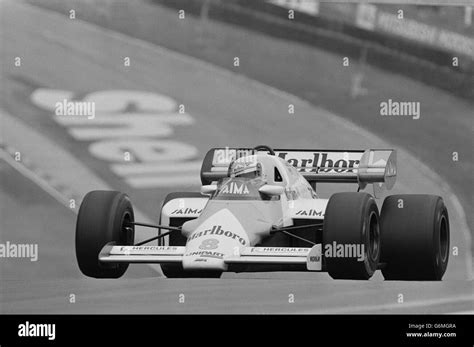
(219, 235)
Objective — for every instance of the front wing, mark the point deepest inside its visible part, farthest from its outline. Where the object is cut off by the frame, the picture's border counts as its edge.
(248, 255)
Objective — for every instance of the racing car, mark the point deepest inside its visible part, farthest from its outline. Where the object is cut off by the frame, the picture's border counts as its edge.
(258, 210)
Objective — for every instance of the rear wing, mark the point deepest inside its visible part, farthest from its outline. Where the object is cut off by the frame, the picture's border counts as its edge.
(337, 166)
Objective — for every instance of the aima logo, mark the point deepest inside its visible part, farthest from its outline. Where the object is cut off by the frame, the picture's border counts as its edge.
(309, 212)
(187, 211)
(235, 188)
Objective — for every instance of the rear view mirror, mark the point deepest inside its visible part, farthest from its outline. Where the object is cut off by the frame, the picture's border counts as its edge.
(271, 190)
(208, 189)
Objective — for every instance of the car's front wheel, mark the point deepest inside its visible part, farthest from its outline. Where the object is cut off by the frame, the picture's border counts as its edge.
(103, 219)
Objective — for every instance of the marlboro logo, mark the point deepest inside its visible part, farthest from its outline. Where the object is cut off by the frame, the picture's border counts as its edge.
(217, 230)
(322, 162)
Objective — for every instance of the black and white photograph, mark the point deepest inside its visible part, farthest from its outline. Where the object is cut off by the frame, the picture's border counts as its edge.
(210, 159)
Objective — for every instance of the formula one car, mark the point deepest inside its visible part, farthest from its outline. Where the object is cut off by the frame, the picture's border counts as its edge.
(258, 211)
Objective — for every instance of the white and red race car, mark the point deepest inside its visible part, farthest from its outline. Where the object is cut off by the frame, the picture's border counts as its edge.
(258, 211)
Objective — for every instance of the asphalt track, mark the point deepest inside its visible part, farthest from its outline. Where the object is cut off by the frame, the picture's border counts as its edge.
(228, 110)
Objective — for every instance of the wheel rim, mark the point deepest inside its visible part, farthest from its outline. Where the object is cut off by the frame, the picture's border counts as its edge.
(443, 239)
(373, 237)
(126, 228)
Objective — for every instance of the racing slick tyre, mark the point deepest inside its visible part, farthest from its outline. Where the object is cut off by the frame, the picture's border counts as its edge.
(351, 227)
(415, 237)
(103, 219)
(176, 270)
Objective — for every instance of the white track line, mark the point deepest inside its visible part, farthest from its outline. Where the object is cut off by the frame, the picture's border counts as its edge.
(397, 306)
(37, 179)
(462, 312)
(48, 188)
(49, 177)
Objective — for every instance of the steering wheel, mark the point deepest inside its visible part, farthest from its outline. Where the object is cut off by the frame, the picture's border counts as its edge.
(264, 148)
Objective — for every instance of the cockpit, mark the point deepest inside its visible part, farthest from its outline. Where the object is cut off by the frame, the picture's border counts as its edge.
(245, 177)
(257, 177)
(245, 167)
(239, 188)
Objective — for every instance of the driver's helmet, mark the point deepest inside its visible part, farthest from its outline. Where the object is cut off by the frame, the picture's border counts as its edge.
(245, 167)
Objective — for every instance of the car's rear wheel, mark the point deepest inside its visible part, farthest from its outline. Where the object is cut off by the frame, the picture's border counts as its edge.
(351, 236)
(415, 237)
(176, 270)
(103, 219)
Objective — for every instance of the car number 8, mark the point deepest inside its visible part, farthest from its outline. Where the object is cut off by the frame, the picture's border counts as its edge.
(209, 244)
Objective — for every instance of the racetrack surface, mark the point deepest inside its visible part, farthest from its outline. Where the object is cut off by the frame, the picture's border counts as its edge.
(226, 109)
(353, 92)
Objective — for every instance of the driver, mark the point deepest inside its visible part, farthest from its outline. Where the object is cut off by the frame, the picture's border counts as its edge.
(246, 167)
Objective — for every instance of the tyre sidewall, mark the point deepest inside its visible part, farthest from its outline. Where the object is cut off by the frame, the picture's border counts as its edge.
(411, 242)
(347, 221)
(99, 223)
